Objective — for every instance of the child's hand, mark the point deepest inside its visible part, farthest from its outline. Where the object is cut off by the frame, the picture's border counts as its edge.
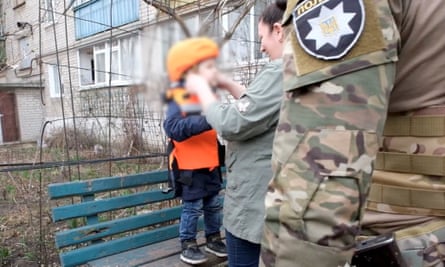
(195, 83)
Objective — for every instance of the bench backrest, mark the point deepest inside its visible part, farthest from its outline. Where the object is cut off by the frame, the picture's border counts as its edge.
(85, 243)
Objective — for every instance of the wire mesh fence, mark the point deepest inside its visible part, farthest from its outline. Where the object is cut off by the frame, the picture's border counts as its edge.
(101, 118)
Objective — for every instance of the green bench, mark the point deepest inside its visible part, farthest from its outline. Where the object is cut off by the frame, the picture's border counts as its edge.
(147, 237)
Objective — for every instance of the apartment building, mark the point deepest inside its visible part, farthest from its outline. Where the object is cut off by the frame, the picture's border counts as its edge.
(85, 62)
(21, 111)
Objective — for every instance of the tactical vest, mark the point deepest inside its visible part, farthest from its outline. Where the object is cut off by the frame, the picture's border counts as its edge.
(199, 151)
(410, 168)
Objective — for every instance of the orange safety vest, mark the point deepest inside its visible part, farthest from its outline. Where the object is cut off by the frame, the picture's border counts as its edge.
(199, 151)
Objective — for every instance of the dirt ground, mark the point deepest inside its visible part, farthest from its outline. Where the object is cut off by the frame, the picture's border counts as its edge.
(26, 229)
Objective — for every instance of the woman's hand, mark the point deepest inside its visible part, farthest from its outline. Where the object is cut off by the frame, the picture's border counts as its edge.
(226, 83)
(195, 83)
(223, 81)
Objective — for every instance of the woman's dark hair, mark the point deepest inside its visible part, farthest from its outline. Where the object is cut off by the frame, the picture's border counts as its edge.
(273, 13)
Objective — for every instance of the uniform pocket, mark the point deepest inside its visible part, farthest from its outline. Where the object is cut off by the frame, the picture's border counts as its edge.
(325, 182)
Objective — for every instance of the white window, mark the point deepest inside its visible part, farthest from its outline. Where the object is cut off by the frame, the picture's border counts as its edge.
(95, 62)
(26, 53)
(244, 45)
(48, 11)
(54, 84)
(100, 62)
(175, 34)
(86, 66)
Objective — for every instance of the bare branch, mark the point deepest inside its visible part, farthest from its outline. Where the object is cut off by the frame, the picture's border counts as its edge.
(218, 11)
(228, 35)
(171, 12)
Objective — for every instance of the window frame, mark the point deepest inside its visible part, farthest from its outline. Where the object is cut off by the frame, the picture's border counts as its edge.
(47, 19)
(253, 40)
(26, 54)
(55, 85)
(105, 50)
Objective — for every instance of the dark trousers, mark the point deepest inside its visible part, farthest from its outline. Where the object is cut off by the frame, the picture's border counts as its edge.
(242, 253)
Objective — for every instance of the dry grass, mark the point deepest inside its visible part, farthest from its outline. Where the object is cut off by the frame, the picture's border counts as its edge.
(26, 230)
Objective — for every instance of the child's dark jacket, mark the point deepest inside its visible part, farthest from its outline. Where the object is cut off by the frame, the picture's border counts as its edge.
(195, 157)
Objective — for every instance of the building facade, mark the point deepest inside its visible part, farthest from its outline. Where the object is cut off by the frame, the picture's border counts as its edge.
(96, 64)
(21, 110)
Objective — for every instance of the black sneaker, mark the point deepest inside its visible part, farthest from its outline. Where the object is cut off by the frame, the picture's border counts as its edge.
(191, 253)
(216, 246)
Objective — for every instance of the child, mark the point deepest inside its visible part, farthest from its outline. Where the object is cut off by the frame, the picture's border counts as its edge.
(194, 158)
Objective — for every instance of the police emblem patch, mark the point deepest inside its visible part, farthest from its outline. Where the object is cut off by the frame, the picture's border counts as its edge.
(328, 29)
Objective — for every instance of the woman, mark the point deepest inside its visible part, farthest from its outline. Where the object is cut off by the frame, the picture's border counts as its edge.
(248, 124)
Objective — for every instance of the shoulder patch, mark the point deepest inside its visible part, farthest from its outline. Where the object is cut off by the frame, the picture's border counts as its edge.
(242, 105)
(328, 29)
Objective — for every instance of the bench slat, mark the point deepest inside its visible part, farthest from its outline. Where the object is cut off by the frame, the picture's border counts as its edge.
(165, 253)
(88, 187)
(100, 250)
(104, 229)
(103, 205)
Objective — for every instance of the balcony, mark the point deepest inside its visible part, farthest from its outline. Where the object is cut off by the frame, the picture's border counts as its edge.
(95, 16)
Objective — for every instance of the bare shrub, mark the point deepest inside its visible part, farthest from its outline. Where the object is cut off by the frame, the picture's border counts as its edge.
(68, 138)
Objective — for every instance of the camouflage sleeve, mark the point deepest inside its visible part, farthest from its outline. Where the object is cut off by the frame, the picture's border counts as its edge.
(255, 112)
(330, 123)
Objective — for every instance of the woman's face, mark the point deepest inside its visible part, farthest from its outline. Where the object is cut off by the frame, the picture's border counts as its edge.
(271, 40)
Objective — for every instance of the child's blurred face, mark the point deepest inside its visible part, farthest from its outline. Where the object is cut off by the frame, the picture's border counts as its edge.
(209, 71)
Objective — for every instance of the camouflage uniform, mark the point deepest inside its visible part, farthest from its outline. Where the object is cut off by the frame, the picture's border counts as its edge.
(406, 200)
(330, 127)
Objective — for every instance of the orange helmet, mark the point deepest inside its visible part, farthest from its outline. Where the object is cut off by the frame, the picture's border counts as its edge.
(187, 53)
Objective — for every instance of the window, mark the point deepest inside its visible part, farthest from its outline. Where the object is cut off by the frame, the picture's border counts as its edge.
(54, 84)
(245, 44)
(175, 34)
(92, 17)
(95, 62)
(49, 9)
(26, 53)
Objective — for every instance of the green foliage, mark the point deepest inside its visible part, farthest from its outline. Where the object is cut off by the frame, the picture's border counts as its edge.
(4, 254)
(75, 223)
(10, 189)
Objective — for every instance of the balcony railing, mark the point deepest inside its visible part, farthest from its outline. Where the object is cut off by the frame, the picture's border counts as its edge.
(97, 16)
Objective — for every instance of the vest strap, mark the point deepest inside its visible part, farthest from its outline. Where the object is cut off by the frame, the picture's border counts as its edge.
(421, 126)
(408, 163)
(407, 197)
